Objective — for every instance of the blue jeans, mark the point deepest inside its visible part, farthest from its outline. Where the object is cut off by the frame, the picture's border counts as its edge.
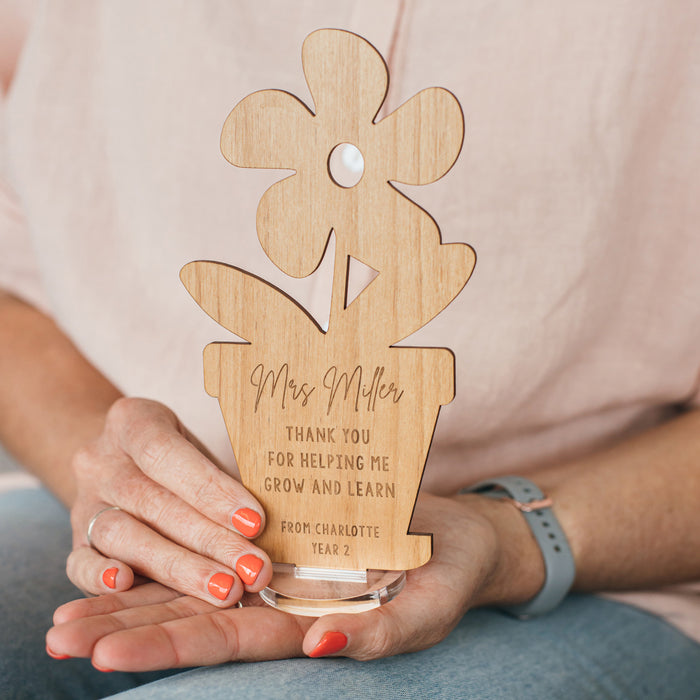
(588, 648)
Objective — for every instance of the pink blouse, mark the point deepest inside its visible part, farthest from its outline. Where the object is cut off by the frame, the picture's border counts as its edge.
(577, 187)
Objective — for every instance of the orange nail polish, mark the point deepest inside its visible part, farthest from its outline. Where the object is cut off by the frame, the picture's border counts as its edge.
(247, 522)
(109, 577)
(248, 567)
(104, 670)
(54, 655)
(330, 643)
(220, 585)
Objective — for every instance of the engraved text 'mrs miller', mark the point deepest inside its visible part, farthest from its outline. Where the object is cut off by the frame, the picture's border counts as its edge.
(341, 386)
(272, 381)
(350, 387)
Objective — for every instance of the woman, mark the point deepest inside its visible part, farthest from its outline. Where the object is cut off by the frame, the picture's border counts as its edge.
(575, 344)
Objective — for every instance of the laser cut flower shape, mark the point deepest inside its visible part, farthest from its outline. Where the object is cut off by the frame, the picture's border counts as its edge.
(416, 144)
(349, 375)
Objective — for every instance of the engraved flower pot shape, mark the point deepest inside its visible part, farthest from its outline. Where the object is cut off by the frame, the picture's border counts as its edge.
(330, 433)
(331, 429)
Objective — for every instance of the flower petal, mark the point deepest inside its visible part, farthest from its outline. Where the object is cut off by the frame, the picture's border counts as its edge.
(292, 225)
(421, 140)
(267, 129)
(347, 76)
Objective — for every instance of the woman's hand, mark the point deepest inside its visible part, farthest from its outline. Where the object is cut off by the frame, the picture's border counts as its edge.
(481, 547)
(180, 520)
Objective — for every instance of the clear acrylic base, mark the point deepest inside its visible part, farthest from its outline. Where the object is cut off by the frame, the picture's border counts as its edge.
(313, 591)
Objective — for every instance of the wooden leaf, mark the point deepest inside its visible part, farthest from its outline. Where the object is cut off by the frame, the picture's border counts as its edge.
(244, 304)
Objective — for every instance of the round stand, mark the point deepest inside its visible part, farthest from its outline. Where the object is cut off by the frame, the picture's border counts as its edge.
(316, 591)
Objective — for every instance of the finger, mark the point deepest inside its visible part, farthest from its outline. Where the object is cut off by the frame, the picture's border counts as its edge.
(101, 574)
(146, 594)
(152, 437)
(181, 523)
(248, 634)
(157, 558)
(414, 620)
(77, 637)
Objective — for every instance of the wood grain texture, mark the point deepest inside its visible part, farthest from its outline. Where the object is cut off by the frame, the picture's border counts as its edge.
(331, 430)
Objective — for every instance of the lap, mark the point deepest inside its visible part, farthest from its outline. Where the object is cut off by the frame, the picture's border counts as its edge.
(589, 647)
(35, 540)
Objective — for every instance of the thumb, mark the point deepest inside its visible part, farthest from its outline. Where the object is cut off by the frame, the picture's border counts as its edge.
(397, 627)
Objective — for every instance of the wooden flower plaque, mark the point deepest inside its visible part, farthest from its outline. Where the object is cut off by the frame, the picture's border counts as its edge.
(331, 429)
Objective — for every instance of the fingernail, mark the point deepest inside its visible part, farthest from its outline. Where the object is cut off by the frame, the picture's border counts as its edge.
(247, 522)
(54, 655)
(109, 577)
(104, 670)
(220, 585)
(330, 643)
(248, 567)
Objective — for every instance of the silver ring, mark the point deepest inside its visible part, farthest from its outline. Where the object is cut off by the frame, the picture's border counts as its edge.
(239, 604)
(92, 522)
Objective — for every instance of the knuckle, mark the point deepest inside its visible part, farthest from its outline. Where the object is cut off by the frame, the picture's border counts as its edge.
(377, 645)
(131, 415)
(84, 460)
(156, 448)
(127, 410)
(211, 543)
(143, 495)
(229, 638)
(122, 411)
(109, 532)
(206, 491)
(127, 489)
(80, 515)
(76, 573)
(385, 638)
(160, 510)
(71, 567)
(218, 544)
(170, 569)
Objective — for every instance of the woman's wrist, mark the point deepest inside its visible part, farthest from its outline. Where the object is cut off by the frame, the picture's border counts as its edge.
(517, 570)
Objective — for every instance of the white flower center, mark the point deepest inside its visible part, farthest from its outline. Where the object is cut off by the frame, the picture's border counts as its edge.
(346, 165)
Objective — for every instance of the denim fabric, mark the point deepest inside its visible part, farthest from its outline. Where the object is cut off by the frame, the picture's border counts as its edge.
(35, 540)
(588, 648)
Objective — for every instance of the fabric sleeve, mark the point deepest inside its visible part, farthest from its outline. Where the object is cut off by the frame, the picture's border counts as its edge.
(19, 273)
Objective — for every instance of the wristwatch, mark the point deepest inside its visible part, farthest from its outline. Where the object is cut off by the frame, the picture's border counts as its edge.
(558, 560)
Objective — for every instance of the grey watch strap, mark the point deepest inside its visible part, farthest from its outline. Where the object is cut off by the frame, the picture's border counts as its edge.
(558, 560)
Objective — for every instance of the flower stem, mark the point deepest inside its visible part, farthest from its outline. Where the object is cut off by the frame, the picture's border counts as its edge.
(340, 282)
